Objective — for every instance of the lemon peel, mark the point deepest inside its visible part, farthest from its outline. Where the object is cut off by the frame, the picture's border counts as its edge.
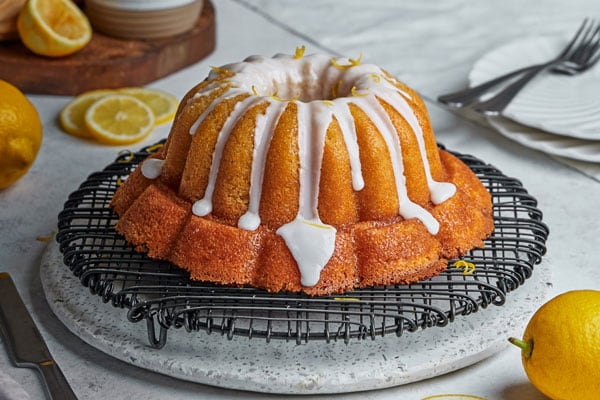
(467, 267)
(353, 62)
(154, 148)
(299, 52)
(127, 159)
(376, 78)
(317, 225)
(275, 97)
(46, 238)
(220, 70)
(356, 94)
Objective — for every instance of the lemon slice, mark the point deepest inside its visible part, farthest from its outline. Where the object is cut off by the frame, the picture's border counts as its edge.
(119, 119)
(72, 116)
(53, 28)
(453, 397)
(163, 105)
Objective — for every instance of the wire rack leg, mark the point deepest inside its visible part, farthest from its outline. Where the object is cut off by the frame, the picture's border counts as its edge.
(162, 334)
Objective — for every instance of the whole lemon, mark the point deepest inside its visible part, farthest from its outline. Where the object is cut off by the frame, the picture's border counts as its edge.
(20, 134)
(561, 346)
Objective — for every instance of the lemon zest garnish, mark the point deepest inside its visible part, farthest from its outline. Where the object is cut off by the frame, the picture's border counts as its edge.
(127, 159)
(299, 52)
(468, 267)
(220, 70)
(353, 62)
(317, 225)
(376, 78)
(358, 60)
(328, 103)
(356, 94)
(277, 98)
(154, 148)
(46, 238)
(335, 88)
(346, 299)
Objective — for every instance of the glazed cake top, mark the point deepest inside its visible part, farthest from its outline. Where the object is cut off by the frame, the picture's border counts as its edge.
(322, 87)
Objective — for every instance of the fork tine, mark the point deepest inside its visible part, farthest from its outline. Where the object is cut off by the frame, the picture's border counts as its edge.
(588, 46)
(595, 43)
(575, 38)
(594, 59)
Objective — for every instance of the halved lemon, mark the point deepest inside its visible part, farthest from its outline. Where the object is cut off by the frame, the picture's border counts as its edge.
(163, 105)
(119, 119)
(72, 116)
(53, 28)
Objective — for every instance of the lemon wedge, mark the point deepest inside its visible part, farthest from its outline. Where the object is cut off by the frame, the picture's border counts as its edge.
(163, 105)
(53, 28)
(72, 116)
(119, 119)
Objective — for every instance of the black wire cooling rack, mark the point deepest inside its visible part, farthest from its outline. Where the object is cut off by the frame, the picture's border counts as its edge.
(163, 296)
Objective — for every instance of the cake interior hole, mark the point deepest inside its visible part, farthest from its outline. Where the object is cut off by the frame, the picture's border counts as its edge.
(305, 82)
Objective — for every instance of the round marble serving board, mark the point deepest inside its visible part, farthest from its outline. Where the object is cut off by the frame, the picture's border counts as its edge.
(285, 367)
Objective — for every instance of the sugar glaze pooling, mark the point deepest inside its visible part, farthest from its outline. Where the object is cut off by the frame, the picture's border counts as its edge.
(322, 88)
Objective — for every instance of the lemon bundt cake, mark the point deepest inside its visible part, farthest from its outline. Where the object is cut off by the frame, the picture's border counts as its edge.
(303, 173)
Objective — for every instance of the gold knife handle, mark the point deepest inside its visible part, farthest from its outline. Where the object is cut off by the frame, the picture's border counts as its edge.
(56, 384)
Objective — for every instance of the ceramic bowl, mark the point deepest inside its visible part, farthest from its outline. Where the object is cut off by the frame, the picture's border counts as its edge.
(143, 19)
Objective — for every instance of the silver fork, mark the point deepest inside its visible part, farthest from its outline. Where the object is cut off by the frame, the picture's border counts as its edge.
(579, 56)
(563, 63)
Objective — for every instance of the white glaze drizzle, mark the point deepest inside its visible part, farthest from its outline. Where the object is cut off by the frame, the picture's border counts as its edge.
(440, 191)
(152, 167)
(310, 241)
(265, 127)
(407, 208)
(312, 244)
(307, 81)
(204, 206)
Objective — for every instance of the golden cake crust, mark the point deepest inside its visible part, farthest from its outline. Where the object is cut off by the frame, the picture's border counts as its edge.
(366, 253)
(374, 244)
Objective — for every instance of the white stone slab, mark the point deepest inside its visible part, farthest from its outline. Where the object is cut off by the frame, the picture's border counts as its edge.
(284, 367)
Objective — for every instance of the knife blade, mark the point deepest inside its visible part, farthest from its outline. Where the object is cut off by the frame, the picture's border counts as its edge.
(25, 344)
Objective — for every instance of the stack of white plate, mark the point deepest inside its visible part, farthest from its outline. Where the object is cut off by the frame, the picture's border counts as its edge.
(556, 114)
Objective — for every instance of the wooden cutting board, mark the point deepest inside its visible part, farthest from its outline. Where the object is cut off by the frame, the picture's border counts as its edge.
(108, 62)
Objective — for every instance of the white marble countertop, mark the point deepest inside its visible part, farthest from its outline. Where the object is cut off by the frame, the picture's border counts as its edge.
(431, 45)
